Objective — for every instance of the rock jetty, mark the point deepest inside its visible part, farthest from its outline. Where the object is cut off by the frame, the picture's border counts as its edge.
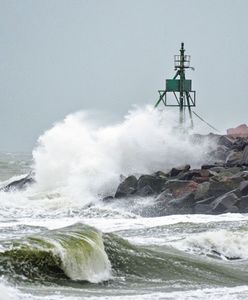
(215, 188)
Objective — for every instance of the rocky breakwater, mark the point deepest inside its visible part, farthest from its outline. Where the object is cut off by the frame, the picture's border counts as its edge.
(217, 187)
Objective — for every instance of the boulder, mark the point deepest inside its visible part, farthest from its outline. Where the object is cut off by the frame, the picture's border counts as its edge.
(217, 188)
(155, 183)
(161, 203)
(127, 188)
(179, 188)
(197, 175)
(175, 171)
(243, 187)
(145, 191)
(202, 209)
(211, 166)
(166, 204)
(234, 158)
(160, 174)
(181, 205)
(239, 144)
(190, 175)
(20, 184)
(225, 141)
(243, 204)
(202, 190)
(204, 206)
(225, 203)
(220, 153)
(239, 131)
(244, 157)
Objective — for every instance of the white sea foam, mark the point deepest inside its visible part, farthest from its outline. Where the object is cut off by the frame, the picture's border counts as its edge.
(7, 292)
(224, 243)
(222, 293)
(83, 160)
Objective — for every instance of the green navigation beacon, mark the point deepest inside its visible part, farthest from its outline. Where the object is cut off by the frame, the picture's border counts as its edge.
(180, 87)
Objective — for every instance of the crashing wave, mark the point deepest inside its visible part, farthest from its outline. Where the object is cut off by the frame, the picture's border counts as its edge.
(75, 252)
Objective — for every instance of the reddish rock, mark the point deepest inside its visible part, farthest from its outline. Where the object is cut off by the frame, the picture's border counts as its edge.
(179, 188)
(240, 131)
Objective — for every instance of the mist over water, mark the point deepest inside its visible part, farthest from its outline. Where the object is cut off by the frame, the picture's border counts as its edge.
(84, 160)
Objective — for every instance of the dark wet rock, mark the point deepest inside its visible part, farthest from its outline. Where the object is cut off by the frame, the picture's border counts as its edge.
(20, 184)
(244, 157)
(127, 188)
(181, 205)
(175, 171)
(166, 204)
(151, 182)
(165, 196)
(225, 203)
(239, 144)
(217, 188)
(234, 158)
(211, 166)
(160, 204)
(201, 208)
(202, 190)
(243, 204)
(244, 175)
(197, 175)
(189, 175)
(220, 153)
(243, 187)
(161, 174)
(145, 191)
(180, 187)
(108, 199)
(226, 141)
(217, 169)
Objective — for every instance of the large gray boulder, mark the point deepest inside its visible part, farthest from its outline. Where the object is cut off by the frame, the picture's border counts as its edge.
(225, 203)
(226, 141)
(203, 206)
(166, 204)
(243, 187)
(127, 188)
(150, 184)
(244, 157)
(243, 204)
(178, 170)
(234, 158)
(179, 188)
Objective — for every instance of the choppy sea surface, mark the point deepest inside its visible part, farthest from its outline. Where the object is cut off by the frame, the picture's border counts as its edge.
(50, 249)
(59, 240)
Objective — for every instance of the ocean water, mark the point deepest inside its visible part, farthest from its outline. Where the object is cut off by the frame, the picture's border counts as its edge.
(58, 240)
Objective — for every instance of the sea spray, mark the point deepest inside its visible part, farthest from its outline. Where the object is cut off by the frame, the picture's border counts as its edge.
(83, 160)
(224, 244)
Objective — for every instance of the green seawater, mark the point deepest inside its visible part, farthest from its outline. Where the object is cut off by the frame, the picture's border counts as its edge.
(106, 251)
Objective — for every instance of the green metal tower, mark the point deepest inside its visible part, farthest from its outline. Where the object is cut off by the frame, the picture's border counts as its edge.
(180, 87)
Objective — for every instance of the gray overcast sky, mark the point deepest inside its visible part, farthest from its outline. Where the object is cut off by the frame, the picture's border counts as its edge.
(60, 56)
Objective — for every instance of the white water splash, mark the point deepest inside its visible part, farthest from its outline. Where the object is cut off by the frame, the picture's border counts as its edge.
(223, 243)
(83, 161)
(7, 292)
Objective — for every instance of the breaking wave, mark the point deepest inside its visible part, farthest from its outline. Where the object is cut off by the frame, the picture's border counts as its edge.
(83, 160)
(75, 252)
(223, 244)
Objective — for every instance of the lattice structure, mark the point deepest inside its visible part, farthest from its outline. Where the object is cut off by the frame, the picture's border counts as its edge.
(180, 87)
